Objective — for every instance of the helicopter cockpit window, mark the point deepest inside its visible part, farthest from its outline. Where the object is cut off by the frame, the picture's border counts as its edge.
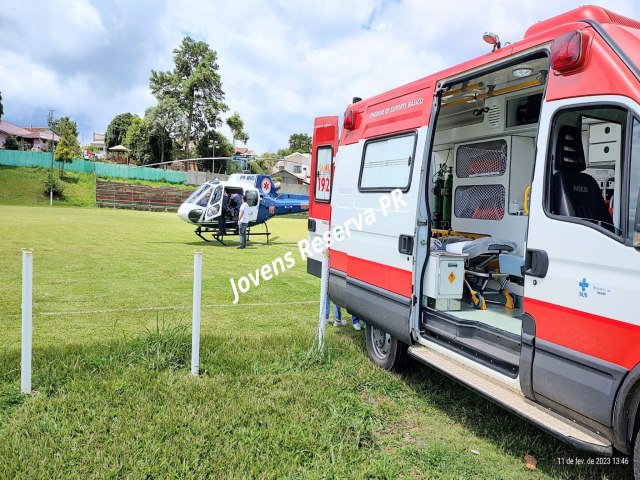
(194, 196)
(217, 195)
(203, 199)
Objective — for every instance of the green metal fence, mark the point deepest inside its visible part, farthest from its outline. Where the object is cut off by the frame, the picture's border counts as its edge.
(15, 158)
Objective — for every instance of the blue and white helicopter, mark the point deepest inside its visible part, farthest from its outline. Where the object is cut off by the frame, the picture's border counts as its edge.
(217, 201)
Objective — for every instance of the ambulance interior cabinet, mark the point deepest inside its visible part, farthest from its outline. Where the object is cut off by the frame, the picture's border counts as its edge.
(444, 281)
(604, 144)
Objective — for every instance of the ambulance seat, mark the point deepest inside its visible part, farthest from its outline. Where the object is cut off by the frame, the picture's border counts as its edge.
(576, 194)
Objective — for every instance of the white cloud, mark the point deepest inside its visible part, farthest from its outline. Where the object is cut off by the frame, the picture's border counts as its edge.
(282, 62)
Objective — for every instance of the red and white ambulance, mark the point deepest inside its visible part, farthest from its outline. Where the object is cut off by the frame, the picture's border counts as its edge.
(535, 148)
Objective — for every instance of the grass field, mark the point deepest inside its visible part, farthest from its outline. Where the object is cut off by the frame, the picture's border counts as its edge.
(24, 186)
(112, 310)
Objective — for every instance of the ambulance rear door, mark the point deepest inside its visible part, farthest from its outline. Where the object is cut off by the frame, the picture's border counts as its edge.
(325, 146)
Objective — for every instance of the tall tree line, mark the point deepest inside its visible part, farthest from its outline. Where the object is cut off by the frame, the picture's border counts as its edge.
(186, 119)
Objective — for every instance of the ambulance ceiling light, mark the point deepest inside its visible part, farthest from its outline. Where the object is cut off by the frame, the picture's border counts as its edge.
(522, 71)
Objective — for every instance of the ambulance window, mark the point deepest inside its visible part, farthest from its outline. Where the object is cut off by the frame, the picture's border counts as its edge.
(634, 177)
(387, 163)
(585, 167)
(324, 179)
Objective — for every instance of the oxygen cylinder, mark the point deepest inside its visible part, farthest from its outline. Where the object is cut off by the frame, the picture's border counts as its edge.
(438, 184)
(446, 200)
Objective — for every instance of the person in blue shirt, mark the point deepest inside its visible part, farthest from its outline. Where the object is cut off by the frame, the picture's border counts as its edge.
(337, 313)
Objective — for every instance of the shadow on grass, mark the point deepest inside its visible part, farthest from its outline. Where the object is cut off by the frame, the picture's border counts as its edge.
(514, 436)
(234, 242)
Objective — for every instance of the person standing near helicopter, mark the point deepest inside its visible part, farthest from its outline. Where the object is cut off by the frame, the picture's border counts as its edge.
(243, 222)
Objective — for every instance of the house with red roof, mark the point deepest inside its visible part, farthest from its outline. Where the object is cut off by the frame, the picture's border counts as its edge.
(244, 151)
(36, 138)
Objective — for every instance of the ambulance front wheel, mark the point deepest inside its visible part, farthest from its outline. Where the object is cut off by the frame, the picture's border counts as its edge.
(636, 457)
(384, 350)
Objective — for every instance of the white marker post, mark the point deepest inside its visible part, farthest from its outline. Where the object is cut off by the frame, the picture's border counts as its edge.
(27, 320)
(324, 288)
(195, 328)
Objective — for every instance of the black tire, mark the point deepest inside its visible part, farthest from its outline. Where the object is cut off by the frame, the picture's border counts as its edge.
(384, 350)
(636, 457)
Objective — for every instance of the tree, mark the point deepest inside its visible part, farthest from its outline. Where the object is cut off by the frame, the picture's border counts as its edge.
(223, 149)
(92, 148)
(300, 142)
(165, 122)
(267, 160)
(1, 108)
(161, 148)
(117, 130)
(68, 148)
(236, 125)
(138, 141)
(194, 84)
(11, 143)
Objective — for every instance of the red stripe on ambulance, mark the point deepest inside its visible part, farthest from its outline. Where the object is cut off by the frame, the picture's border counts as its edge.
(601, 337)
(388, 278)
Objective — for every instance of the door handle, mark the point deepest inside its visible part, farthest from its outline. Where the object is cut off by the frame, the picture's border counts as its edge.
(536, 263)
(405, 244)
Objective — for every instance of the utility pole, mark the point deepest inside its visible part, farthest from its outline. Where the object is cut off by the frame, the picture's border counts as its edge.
(213, 144)
(50, 123)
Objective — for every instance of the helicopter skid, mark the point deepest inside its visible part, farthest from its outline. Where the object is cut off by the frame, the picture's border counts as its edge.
(219, 237)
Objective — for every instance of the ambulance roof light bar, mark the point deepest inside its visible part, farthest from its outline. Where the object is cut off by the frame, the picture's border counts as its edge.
(349, 122)
(492, 39)
(570, 51)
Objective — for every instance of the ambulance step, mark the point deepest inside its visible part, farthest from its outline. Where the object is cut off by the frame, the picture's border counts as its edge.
(479, 348)
(514, 402)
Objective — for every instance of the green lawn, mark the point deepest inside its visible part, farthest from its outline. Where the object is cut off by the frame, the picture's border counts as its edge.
(24, 186)
(112, 312)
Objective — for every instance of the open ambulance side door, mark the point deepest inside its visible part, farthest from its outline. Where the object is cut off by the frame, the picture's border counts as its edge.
(324, 149)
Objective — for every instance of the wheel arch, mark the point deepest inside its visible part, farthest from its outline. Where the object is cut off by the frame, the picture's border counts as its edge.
(626, 411)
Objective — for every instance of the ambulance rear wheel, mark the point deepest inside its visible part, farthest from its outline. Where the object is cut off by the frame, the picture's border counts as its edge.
(384, 350)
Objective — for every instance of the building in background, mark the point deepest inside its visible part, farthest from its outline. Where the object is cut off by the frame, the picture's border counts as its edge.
(98, 141)
(32, 138)
(243, 157)
(294, 168)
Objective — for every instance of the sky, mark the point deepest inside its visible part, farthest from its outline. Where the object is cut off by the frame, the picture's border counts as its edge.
(282, 62)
